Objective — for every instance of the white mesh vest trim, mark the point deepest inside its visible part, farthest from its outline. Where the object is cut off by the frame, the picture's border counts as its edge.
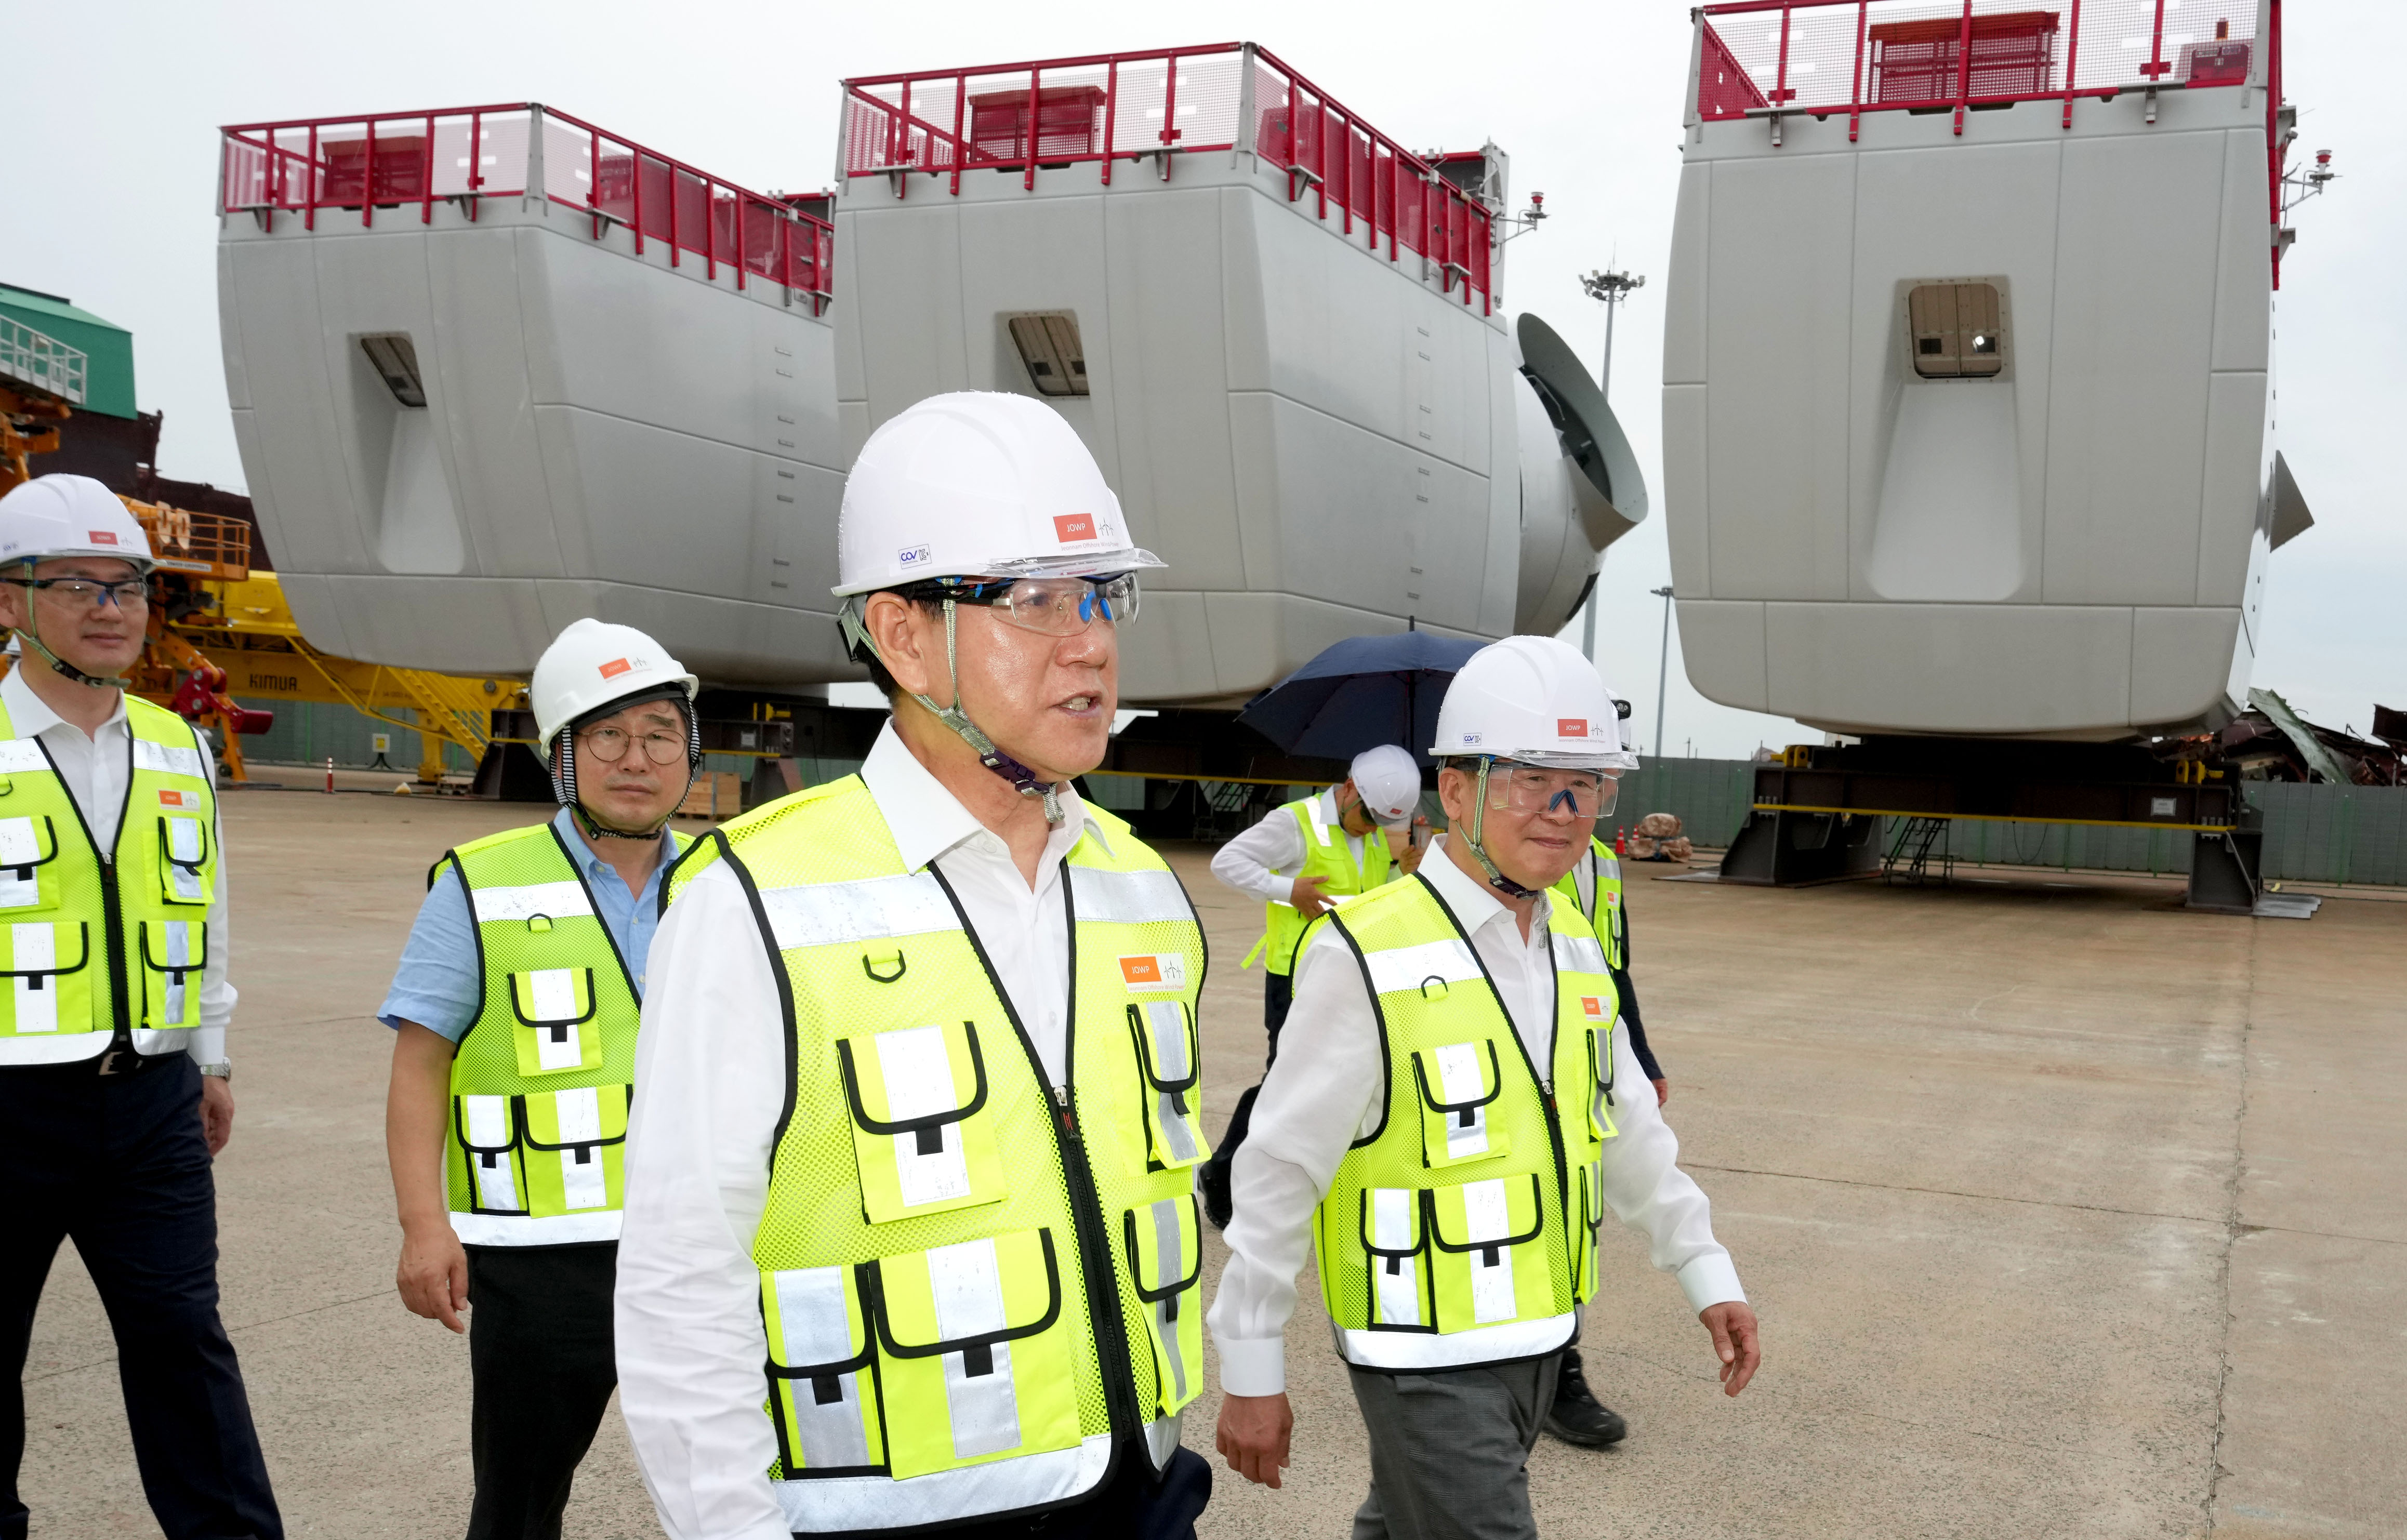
(555, 900)
(166, 758)
(1415, 1350)
(1578, 954)
(829, 914)
(836, 1504)
(1447, 961)
(1128, 898)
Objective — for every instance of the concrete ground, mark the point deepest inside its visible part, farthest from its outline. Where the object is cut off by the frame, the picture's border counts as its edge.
(2068, 1214)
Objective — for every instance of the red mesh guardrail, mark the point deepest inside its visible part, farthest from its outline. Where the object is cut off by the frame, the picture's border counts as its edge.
(1856, 56)
(389, 161)
(1114, 108)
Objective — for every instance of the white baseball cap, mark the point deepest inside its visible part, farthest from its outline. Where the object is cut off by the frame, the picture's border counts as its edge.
(1389, 783)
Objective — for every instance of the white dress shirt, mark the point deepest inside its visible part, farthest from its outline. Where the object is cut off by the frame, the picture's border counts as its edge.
(1322, 1093)
(711, 1085)
(97, 769)
(1264, 859)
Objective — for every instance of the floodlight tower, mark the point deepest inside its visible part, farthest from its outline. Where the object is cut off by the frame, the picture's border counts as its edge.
(1612, 288)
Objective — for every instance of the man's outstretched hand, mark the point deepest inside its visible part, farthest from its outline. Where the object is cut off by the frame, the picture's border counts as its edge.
(1253, 1436)
(1738, 1342)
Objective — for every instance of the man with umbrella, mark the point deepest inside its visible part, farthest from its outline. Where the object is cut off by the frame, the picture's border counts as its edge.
(1301, 860)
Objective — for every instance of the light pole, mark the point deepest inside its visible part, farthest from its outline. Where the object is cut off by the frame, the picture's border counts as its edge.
(1662, 664)
(1612, 288)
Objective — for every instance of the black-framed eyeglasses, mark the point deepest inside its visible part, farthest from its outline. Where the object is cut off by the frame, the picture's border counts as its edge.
(610, 745)
(1054, 606)
(91, 594)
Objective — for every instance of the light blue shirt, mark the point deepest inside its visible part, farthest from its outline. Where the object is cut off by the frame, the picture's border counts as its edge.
(438, 984)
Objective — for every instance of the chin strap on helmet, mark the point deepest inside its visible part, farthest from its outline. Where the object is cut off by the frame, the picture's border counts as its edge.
(59, 665)
(1496, 879)
(1023, 779)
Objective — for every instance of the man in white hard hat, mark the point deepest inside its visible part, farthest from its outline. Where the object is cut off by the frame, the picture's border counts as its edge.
(1450, 1120)
(514, 1014)
(115, 1088)
(1300, 861)
(916, 1109)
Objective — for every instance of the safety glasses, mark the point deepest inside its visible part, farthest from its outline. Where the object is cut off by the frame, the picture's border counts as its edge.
(1524, 789)
(1052, 606)
(91, 594)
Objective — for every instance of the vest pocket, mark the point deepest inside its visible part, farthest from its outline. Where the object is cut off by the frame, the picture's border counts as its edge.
(46, 994)
(819, 1399)
(184, 861)
(1168, 1055)
(555, 1009)
(174, 953)
(573, 1141)
(26, 881)
(1165, 1252)
(486, 1130)
(918, 1096)
(1479, 1230)
(974, 1362)
(1591, 1212)
(1457, 1083)
(1599, 1101)
(1395, 1245)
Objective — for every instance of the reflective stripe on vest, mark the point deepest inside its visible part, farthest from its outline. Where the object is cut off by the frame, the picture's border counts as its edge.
(542, 1079)
(91, 946)
(1325, 855)
(1599, 896)
(1462, 1232)
(966, 1301)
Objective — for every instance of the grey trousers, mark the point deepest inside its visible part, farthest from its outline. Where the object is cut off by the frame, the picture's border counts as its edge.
(1450, 1452)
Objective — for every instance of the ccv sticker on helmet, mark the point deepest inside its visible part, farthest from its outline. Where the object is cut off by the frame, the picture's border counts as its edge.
(911, 556)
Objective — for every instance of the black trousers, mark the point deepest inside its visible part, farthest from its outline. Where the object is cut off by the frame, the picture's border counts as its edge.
(539, 1353)
(1278, 994)
(1133, 1505)
(119, 1164)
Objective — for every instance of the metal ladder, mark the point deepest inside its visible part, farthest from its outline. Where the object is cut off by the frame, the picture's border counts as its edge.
(1913, 849)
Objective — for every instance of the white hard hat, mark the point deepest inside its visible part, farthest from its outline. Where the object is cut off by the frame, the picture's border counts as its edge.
(978, 483)
(593, 663)
(1535, 699)
(55, 516)
(1388, 781)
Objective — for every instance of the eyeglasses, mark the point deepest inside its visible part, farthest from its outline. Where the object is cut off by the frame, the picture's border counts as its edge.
(610, 745)
(1583, 794)
(91, 594)
(1054, 606)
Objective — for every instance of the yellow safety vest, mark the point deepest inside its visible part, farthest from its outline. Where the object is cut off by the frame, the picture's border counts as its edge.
(93, 947)
(1603, 900)
(1325, 855)
(1461, 1232)
(542, 1078)
(976, 1288)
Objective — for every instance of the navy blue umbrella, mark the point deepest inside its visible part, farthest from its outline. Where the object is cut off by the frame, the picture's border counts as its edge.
(1362, 692)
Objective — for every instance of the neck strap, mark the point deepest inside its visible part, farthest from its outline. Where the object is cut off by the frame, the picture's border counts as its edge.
(1023, 779)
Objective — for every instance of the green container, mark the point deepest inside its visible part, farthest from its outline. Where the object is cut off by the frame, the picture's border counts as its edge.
(108, 384)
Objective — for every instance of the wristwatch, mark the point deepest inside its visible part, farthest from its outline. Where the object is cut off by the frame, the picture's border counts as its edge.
(223, 1070)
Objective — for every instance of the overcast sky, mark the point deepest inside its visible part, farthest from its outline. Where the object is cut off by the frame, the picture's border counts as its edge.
(109, 198)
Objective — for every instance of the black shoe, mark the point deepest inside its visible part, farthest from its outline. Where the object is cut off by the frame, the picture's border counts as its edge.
(1577, 1417)
(1213, 1184)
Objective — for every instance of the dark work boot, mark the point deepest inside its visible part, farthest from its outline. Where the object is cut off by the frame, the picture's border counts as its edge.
(1577, 1417)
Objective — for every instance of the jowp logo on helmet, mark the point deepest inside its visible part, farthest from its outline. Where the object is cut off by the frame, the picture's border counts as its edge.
(103, 537)
(1068, 527)
(614, 667)
(1570, 727)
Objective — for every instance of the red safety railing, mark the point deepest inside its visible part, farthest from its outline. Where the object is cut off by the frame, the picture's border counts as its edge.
(391, 160)
(1757, 57)
(1110, 109)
